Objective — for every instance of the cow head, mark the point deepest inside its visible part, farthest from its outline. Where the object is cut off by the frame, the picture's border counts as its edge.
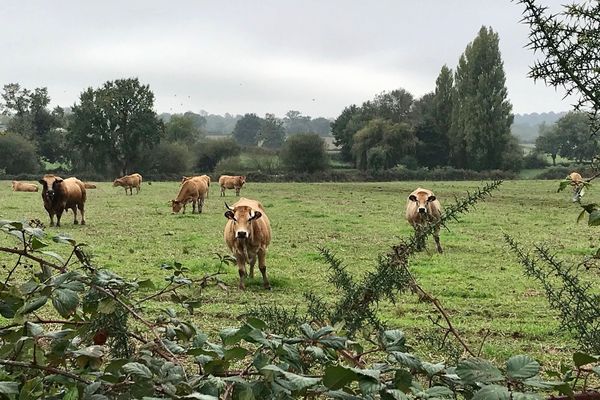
(117, 182)
(176, 206)
(422, 199)
(242, 180)
(242, 217)
(51, 186)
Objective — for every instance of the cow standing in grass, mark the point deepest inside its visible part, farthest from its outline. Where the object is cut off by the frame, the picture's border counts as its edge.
(191, 191)
(203, 178)
(248, 235)
(62, 194)
(422, 210)
(231, 182)
(129, 182)
(578, 184)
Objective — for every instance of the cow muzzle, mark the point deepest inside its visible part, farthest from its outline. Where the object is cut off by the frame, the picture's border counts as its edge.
(422, 210)
(241, 234)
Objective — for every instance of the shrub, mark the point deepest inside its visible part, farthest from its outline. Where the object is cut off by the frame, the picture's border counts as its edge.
(534, 160)
(171, 158)
(304, 152)
(210, 152)
(230, 166)
(18, 155)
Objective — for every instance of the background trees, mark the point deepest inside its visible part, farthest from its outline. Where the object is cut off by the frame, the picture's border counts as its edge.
(247, 129)
(272, 132)
(481, 116)
(114, 125)
(17, 154)
(304, 152)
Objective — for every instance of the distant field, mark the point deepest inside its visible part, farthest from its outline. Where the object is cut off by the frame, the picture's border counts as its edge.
(477, 278)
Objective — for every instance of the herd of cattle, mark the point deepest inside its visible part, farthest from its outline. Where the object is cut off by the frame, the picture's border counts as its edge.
(247, 230)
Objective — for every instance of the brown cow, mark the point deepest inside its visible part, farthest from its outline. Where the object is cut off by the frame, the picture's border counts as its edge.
(89, 185)
(231, 182)
(248, 234)
(578, 184)
(129, 182)
(423, 209)
(24, 187)
(191, 191)
(204, 178)
(60, 195)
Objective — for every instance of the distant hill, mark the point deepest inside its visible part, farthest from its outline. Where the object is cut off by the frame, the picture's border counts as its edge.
(526, 126)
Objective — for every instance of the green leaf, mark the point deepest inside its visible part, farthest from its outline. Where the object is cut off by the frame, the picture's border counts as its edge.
(72, 394)
(137, 370)
(394, 340)
(33, 305)
(526, 396)
(235, 353)
(393, 394)
(432, 369)
(596, 370)
(522, 367)
(107, 306)
(492, 392)
(37, 244)
(477, 370)
(403, 380)
(146, 284)
(563, 184)
(34, 329)
(9, 387)
(594, 219)
(231, 336)
(338, 376)
(439, 391)
(299, 382)
(581, 215)
(406, 359)
(65, 301)
(581, 359)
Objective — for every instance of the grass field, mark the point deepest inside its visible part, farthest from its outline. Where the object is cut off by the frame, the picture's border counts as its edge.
(477, 279)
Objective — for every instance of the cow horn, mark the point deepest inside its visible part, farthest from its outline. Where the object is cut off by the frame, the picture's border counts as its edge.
(227, 206)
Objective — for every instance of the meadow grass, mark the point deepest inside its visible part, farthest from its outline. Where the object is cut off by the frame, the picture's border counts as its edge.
(477, 279)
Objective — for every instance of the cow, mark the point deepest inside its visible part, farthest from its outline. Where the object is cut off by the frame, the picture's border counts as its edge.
(204, 178)
(231, 182)
(129, 182)
(24, 187)
(89, 185)
(190, 191)
(248, 235)
(423, 209)
(60, 194)
(578, 184)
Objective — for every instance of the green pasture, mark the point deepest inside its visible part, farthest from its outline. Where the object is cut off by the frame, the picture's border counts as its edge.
(477, 278)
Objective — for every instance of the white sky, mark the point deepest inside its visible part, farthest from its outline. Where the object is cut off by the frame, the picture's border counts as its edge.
(259, 56)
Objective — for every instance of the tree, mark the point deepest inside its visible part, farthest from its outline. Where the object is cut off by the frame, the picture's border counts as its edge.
(343, 129)
(18, 155)
(321, 125)
(171, 158)
(549, 141)
(210, 152)
(432, 144)
(481, 116)
(247, 129)
(31, 118)
(304, 152)
(578, 143)
(396, 140)
(114, 125)
(272, 133)
(295, 122)
(184, 129)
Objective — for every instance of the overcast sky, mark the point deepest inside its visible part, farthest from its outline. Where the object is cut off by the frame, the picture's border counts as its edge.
(259, 56)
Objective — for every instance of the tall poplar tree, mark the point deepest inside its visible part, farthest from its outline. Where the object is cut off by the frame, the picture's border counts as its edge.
(480, 136)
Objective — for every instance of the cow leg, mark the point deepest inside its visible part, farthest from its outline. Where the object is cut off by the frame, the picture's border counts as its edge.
(81, 207)
(200, 205)
(252, 262)
(194, 206)
(74, 209)
(222, 191)
(263, 268)
(58, 215)
(51, 219)
(436, 237)
(241, 270)
(237, 191)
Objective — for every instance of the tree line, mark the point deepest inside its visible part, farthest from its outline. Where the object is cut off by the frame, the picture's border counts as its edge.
(114, 130)
(465, 122)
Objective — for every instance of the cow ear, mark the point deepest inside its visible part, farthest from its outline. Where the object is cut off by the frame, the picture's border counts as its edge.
(431, 198)
(229, 215)
(43, 182)
(412, 197)
(58, 180)
(256, 215)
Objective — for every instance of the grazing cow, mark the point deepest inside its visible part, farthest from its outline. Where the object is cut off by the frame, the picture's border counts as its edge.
(129, 182)
(191, 191)
(578, 184)
(423, 209)
(24, 187)
(231, 182)
(89, 185)
(60, 195)
(204, 178)
(248, 234)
